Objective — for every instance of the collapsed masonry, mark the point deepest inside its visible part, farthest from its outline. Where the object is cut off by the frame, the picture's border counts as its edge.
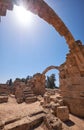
(71, 73)
(27, 92)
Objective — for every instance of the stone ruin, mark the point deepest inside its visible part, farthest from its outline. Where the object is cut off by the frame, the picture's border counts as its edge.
(4, 92)
(27, 92)
(71, 77)
(71, 72)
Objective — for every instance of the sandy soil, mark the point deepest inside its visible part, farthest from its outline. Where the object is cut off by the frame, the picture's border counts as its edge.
(13, 110)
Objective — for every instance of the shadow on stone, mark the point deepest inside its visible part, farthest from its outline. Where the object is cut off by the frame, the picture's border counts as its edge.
(69, 123)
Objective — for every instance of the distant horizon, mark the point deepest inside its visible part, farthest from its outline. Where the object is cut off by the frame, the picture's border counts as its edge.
(26, 50)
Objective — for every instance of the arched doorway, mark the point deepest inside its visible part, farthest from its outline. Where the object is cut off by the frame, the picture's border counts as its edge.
(52, 70)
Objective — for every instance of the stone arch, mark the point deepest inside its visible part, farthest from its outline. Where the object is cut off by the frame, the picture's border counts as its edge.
(49, 68)
(44, 11)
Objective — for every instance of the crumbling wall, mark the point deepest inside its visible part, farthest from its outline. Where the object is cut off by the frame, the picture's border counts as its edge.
(72, 80)
(38, 84)
(4, 89)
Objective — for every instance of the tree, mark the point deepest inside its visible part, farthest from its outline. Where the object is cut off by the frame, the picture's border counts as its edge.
(9, 82)
(50, 83)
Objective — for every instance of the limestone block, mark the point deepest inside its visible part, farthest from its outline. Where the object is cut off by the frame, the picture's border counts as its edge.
(63, 113)
(31, 99)
(19, 100)
(46, 99)
(52, 122)
(61, 102)
(76, 105)
(2, 123)
(3, 99)
(54, 108)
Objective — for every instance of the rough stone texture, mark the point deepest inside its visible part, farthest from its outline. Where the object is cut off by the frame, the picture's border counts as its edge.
(46, 99)
(3, 99)
(2, 123)
(38, 81)
(28, 91)
(4, 6)
(4, 92)
(25, 123)
(52, 122)
(29, 96)
(49, 68)
(18, 91)
(72, 80)
(4, 89)
(63, 113)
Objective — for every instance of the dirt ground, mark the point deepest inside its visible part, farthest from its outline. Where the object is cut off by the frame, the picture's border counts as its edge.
(12, 110)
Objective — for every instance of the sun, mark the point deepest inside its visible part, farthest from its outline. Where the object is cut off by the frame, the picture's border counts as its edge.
(23, 16)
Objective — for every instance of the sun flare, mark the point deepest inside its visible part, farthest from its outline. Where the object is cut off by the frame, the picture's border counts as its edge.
(23, 16)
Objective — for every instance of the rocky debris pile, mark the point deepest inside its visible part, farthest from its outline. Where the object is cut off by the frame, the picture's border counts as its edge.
(52, 122)
(55, 105)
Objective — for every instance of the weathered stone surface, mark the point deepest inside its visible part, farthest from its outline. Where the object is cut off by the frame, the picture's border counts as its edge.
(4, 6)
(63, 113)
(46, 99)
(31, 99)
(3, 99)
(72, 79)
(25, 123)
(2, 123)
(4, 89)
(54, 108)
(38, 81)
(52, 122)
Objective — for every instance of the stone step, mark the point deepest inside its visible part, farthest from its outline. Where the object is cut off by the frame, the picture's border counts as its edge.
(29, 95)
(30, 92)
(27, 89)
(3, 99)
(31, 99)
(25, 123)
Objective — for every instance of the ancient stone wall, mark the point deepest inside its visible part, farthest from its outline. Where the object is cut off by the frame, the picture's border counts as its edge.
(4, 89)
(4, 6)
(38, 84)
(33, 86)
(72, 80)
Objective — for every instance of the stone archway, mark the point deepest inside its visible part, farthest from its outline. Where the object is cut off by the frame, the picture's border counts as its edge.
(72, 70)
(49, 68)
(54, 68)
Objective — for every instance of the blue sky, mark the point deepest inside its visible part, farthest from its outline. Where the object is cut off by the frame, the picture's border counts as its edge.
(26, 50)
